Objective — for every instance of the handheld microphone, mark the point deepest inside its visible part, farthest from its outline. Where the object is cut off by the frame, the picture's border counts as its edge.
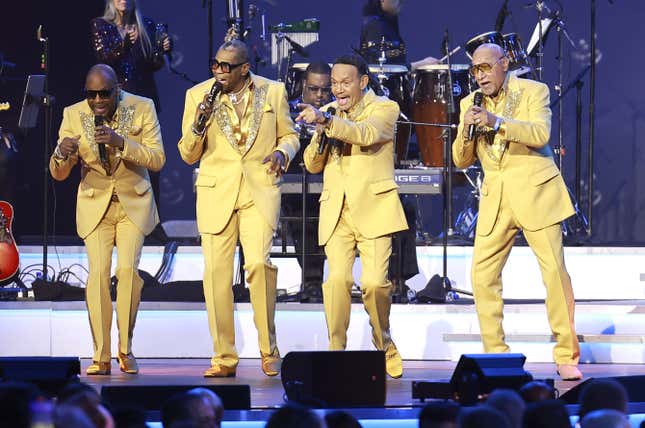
(161, 32)
(103, 156)
(476, 102)
(215, 89)
(324, 140)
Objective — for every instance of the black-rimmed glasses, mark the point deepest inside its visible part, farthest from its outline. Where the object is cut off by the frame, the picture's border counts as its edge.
(226, 67)
(104, 94)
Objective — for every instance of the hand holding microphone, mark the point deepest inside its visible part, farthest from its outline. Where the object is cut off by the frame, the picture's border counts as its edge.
(472, 117)
(205, 109)
(99, 134)
(324, 139)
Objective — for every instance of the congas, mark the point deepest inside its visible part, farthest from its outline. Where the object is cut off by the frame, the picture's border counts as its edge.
(490, 37)
(295, 80)
(518, 60)
(393, 81)
(431, 99)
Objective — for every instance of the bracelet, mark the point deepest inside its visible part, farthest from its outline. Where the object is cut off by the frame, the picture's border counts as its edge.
(196, 132)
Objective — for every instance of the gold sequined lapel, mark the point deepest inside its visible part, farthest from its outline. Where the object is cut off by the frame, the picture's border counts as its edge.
(124, 116)
(259, 98)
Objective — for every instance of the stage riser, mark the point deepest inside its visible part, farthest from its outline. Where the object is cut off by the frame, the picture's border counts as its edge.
(598, 273)
(611, 333)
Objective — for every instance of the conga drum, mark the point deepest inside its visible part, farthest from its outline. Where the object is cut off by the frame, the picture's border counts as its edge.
(431, 99)
(393, 81)
(490, 37)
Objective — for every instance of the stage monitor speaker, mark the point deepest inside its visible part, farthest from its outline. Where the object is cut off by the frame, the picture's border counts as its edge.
(634, 385)
(478, 374)
(327, 379)
(152, 397)
(50, 374)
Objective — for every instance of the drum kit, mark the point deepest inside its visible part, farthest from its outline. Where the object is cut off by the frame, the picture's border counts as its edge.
(423, 95)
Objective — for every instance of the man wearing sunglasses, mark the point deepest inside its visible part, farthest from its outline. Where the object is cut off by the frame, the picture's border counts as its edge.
(522, 190)
(243, 142)
(115, 204)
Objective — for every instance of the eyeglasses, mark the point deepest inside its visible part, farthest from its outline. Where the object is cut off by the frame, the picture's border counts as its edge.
(104, 94)
(226, 67)
(484, 67)
(323, 89)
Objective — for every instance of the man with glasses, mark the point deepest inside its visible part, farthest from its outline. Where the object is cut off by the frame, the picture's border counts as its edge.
(115, 204)
(316, 90)
(243, 141)
(522, 190)
(359, 204)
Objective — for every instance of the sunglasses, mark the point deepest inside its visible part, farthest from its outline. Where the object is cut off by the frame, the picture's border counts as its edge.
(484, 67)
(104, 94)
(226, 67)
(324, 89)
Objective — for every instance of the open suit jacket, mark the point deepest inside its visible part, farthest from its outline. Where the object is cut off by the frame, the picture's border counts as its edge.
(223, 163)
(364, 175)
(527, 172)
(143, 150)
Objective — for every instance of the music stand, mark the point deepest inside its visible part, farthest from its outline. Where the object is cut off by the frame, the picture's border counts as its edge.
(32, 101)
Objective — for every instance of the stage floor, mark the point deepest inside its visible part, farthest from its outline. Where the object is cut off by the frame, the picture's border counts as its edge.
(267, 392)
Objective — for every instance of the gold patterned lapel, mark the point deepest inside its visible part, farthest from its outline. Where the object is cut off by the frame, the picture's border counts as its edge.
(123, 117)
(496, 149)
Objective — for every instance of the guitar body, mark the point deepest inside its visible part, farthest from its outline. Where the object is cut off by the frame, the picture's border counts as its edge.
(9, 258)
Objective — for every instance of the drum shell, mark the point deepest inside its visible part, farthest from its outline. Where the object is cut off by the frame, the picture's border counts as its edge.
(430, 105)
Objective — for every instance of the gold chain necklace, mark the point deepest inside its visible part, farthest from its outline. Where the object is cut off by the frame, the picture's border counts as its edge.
(235, 97)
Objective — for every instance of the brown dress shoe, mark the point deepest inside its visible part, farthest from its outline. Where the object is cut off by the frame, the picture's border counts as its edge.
(99, 368)
(128, 364)
(393, 362)
(218, 370)
(569, 372)
(271, 365)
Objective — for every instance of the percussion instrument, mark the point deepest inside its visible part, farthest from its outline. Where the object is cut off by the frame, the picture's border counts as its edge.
(518, 60)
(431, 99)
(490, 37)
(393, 81)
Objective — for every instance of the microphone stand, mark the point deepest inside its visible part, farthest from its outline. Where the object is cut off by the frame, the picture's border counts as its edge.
(592, 120)
(540, 53)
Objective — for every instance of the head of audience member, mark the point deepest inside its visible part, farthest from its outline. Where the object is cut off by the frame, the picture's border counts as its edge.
(231, 66)
(213, 401)
(294, 416)
(546, 413)
(15, 401)
(349, 79)
(605, 418)
(90, 403)
(482, 417)
(316, 89)
(74, 388)
(129, 417)
(537, 390)
(439, 414)
(191, 408)
(602, 394)
(509, 403)
(382, 7)
(102, 90)
(341, 419)
(66, 415)
(489, 68)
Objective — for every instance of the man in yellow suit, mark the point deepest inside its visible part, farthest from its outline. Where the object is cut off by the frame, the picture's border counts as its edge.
(522, 190)
(359, 203)
(243, 141)
(116, 137)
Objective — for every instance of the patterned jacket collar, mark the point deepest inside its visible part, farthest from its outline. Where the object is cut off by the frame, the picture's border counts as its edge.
(259, 87)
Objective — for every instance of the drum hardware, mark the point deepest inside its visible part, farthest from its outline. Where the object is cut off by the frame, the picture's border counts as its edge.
(451, 53)
(303, 33)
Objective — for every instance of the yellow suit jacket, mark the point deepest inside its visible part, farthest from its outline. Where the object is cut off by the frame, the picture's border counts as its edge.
(527, 172)
(222, 164)
(137, 123)
(364, 177)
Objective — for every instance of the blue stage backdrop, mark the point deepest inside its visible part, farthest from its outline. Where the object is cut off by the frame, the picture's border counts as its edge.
(619, 196)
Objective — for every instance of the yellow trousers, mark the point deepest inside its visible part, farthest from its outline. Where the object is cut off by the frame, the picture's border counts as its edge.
(376, 288)
(256, 237)
(489, 257)
(114, 229)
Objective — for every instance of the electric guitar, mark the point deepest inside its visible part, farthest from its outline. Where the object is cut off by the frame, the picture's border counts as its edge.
(9, 258)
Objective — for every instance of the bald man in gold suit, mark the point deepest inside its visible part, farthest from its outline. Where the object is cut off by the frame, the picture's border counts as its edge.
(243, 141)
(522, 190)
(359, 204)
(115, 204)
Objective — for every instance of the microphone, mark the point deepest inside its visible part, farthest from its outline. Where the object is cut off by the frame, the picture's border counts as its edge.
(161, 32)
(105, 161)
(300, 50)
(476, 102)
(323, 138)
(215, 89)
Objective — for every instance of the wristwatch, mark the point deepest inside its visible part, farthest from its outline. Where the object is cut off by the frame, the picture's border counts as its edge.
(326, 118)
(498, 124)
